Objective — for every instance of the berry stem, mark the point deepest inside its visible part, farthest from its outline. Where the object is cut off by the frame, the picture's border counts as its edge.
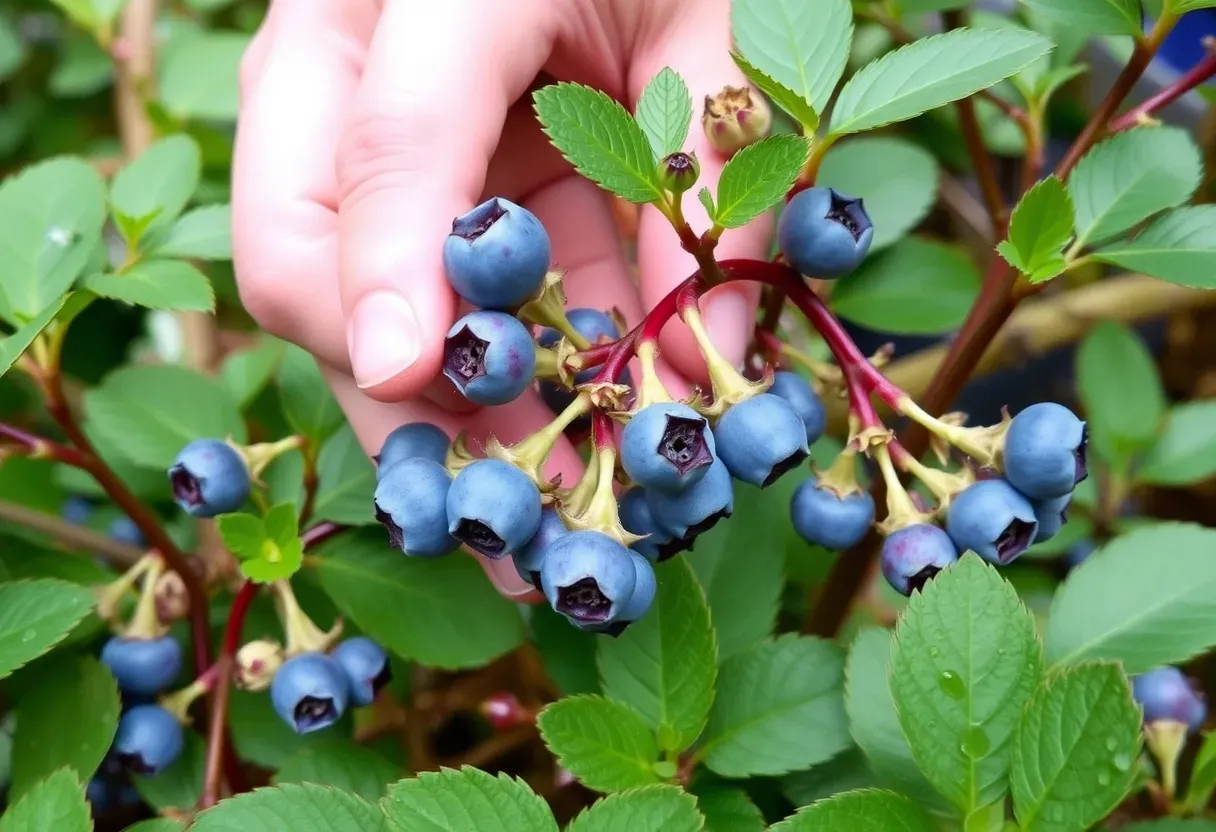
(77, 537)
(901, 511)
(37, 447)
(218, 733)
(317, 534)
(1199, 74)
(311, 482)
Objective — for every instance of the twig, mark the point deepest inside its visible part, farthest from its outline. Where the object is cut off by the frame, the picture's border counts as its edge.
(310, 484)
(493, 748)
(78, 537)
(217, 733)
(39, 447)
(314, 536)
(1199, 74)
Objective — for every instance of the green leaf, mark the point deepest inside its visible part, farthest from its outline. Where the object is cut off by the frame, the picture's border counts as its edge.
(160, 181)
(199, 75)
(78, 685)
(1123, 395)
(57, 803)
(300, 808)
(150, 412)
(242, 534)
(270, 548)
(779, 708)
(174, 285)
(308, 405)
(1041, 226)
(181, 784)
(1093, 17)
(1075, 751)
(1172, 825)
(35, 616)
(246, 372)
(600, 138)
(605, 744)
(261, 737)
(916, 287)
(729, 810)
(12, 49)
(158, 825)
(567, 652)
(648, 809)
(1203, 774)
(53, 215)
(442, 612)
(931, 72)
(346, 480)
(1185, 451)
(780, 94)
(1146, 598)
(965, 659)
(801, 46)
(83, 68)
(1179, 247)
(202, 234)
(665, 664)
(460, 801)
(757, 177)
(864, 810)
(15, 345)
(340, 764)
(844, 772)
(664, 112)
(1183, 6)
(897, 180)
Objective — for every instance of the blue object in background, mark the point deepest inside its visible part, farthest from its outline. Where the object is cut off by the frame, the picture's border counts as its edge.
(1183, 48)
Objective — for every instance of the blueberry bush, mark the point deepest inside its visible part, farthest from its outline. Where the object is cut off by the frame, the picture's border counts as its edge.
(761, 607)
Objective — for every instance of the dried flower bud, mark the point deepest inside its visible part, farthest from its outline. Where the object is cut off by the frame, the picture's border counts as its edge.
(735, 118)
(678, 172)
(504, 711)
(256, 664)
(172, 600)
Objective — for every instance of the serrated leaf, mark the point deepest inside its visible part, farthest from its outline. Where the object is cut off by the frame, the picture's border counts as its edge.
(729, 810)
(781, 95)
(1075, 751)
(844, 772)
(1123, 395)
(1041, 225)
(648, 809)
(269, 547)
(665, 664)
(757, 177)
(965, 659)
(242, 533)
(174, 285)
(202, 234)
(308, 404)
(707, 201)
(600, 138)
(14, 346)
(300, 808)
(605, 744)
(56, 803)
(181, 784)
(864, 810)
(456, 801)
(35, 616)
(346, 480)
(1093, 17)
(1179, 247)
(802, 46)
(199, 75)
(1146, 598)
(931, 72)
(664, 112)
(1185, 451)
(343, 765)
(160, 181)
(779, 708)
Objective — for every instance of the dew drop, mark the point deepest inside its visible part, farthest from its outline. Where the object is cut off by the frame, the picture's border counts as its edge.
(1104, 778)
(1111, 743)
(1122, 762)
(28, 635)
(934, 652)
(975, 742)
(951, 684)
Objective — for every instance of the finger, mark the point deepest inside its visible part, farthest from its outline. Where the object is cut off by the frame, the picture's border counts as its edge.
(426, 118)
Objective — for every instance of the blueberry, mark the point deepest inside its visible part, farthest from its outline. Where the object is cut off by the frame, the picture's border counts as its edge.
(100, 793)
(761, 439)
(366, 667)
(420, 439)
(493, 508)
(1045, 451)
(411, 502)
(1079, 553)
(1165, 693)
(798, 393)
(836, 523)
(667, 447)
(528, 560)
(636, 517)
(645, 587)
(309, 692)
(148, 740)
(993, 520)
(824, 234)
(496, 255)
(694, 511)
(912, 556)
(143, 667)
(76, 510)
(490, 357)
(588, 577)
(124, 530)
(209, 478)
(1051, 516)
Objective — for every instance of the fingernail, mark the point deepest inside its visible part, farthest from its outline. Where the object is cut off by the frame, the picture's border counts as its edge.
(383, 338)
(726, 319)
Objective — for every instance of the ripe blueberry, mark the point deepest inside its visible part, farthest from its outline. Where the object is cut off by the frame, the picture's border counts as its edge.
(208, 478)
(693, 511)
(588, 577)
(528, 560)
(667, 447)
(411, 501)
(636, 517)
(366, 667)
(420, 439)
(1165, 693)
(836, 523)
(143, 667)
(761, 439)
(993, 520)
(1045, 451)
(912, 556)
(801, 397)
(124, 530)
(1051, 515)
(148, 740)
(496, 255)
(644, 589)
(490, 357)
(309, 692)
(493, 508)
(76, 510)
(824, 234)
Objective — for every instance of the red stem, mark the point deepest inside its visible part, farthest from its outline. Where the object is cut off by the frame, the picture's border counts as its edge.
(219, 756)
(601, 430)
(314, 536)
(43, 448)
(1199, 74)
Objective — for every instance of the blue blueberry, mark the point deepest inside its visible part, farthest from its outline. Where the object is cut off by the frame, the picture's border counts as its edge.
(309, 692)
(824, 234)
(821, 517)
(1051, 515)
(420, 439)
(636, 517)
(1045, 451)
(208, 478)
(148, 740)
(761, 439)
(588, 577)
(912, 556)
(124, 530)
(645, 588)
(490, 357)
(497, 254)
(1165, 693)
(366, 667)
(493, 508)
(411, 502)
(1079, 553)
(798, 393)
(143, 667)
(100, 793)
(993, 520)
(528, 560)
(695, 510)
(667, 447)
(76, 510)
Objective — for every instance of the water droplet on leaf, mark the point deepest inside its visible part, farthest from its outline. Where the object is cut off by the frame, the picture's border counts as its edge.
(975, 742)
(1104, 779)
(952, 684)
(1122, 762)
